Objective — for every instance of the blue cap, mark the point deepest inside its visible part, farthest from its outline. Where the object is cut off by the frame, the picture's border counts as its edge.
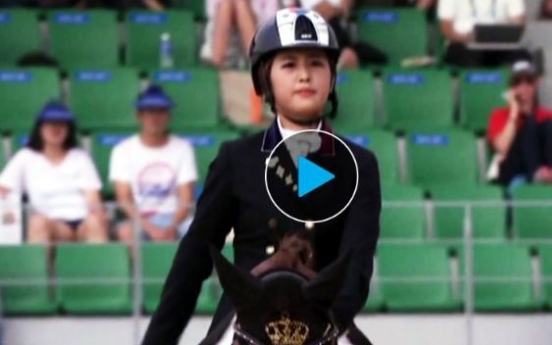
(154, 98)
(55, 111)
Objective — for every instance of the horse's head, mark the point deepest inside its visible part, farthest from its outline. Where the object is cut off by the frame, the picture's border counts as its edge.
(282, 306)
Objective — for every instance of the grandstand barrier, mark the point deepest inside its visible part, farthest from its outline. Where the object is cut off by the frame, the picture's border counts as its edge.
(455, 269)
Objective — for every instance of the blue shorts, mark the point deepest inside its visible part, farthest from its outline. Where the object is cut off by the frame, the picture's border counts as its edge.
(163, 220)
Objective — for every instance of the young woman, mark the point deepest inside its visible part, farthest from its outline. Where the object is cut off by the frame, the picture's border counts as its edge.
(60, 180)
(294, 58)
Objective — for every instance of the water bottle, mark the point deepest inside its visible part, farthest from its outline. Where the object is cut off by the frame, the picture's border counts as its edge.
(166, 51)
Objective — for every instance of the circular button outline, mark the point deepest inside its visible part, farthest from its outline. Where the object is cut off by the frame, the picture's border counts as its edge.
(309, 220)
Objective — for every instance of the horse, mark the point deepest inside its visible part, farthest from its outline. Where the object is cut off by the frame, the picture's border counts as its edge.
(283, 301)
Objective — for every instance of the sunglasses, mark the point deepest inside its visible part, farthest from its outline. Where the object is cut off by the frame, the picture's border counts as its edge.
(523, 80)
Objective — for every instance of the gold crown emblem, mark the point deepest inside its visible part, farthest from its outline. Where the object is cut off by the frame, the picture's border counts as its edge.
(287, 332)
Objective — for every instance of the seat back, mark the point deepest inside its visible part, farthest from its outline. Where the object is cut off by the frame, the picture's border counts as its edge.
(357, 104)
(24, 286)
(422, 276)
(23, 93)
(144, 30)
(436, 157)
(84, 39)
(420, 99)
(488, 220)
(19, 34)
(197, 94)
(84, 272)
(104, 99)
(480, 92)
(384, 146)
(157, 260)
(403, 213)
(400, 33)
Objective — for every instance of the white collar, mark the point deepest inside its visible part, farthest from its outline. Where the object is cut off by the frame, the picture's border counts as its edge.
(286, 133)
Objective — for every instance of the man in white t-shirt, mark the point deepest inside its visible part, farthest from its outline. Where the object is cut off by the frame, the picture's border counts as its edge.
(458, 19)
(154, 173)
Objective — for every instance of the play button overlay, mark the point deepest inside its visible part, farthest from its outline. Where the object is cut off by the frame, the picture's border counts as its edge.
(311, 176)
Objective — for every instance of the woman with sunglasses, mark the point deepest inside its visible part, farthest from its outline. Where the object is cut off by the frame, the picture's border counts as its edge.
(521, 134)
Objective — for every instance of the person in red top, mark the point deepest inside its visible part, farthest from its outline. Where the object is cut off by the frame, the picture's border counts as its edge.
(521, 134)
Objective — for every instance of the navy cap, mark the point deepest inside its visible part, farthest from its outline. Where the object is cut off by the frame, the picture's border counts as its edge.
(55, 111)
(154, 98)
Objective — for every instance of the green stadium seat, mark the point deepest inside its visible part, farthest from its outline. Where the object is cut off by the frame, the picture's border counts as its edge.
(384, 146)
(144, 29)
(503, 276)
(489, 221)
(197, 93)
(356, 93)
(19, 34)
(403, 213)
(206, 147)
(400, 33)
(103, 99)
(480, 92)
(102, 145)
(532, 222)
(375, 301)
(409, 265)
(197, 7)
(157, 259)
(209, 296)
(545, 253)
(228, 251)
(26, 265)
(437, 157)
(23, 93)
(88, 269)
(84, 39)
(420, 99)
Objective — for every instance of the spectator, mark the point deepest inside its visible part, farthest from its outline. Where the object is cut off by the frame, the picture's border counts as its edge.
(60, 180)
(521, 134)
(458, 18)
(336, 13)
(154, 173)
(230, 28)
(546, 9)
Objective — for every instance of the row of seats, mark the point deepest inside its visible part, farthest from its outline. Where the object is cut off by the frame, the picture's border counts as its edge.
(103, 99)
(96, 279)
(91, 39)
(417, 277)
(408, 215)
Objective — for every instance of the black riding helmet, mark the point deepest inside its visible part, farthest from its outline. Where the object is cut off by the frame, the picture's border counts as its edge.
(290, 29)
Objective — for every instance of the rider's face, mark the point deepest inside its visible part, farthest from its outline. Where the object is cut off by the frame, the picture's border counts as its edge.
(301, 81)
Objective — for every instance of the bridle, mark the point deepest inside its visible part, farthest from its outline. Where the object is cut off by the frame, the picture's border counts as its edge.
(329, 337)
(332, 335)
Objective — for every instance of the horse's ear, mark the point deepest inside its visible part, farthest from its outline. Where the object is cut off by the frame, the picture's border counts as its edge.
(240, 285)
(324, 289)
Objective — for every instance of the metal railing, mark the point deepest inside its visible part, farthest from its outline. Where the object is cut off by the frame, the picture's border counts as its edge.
(466, 279)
